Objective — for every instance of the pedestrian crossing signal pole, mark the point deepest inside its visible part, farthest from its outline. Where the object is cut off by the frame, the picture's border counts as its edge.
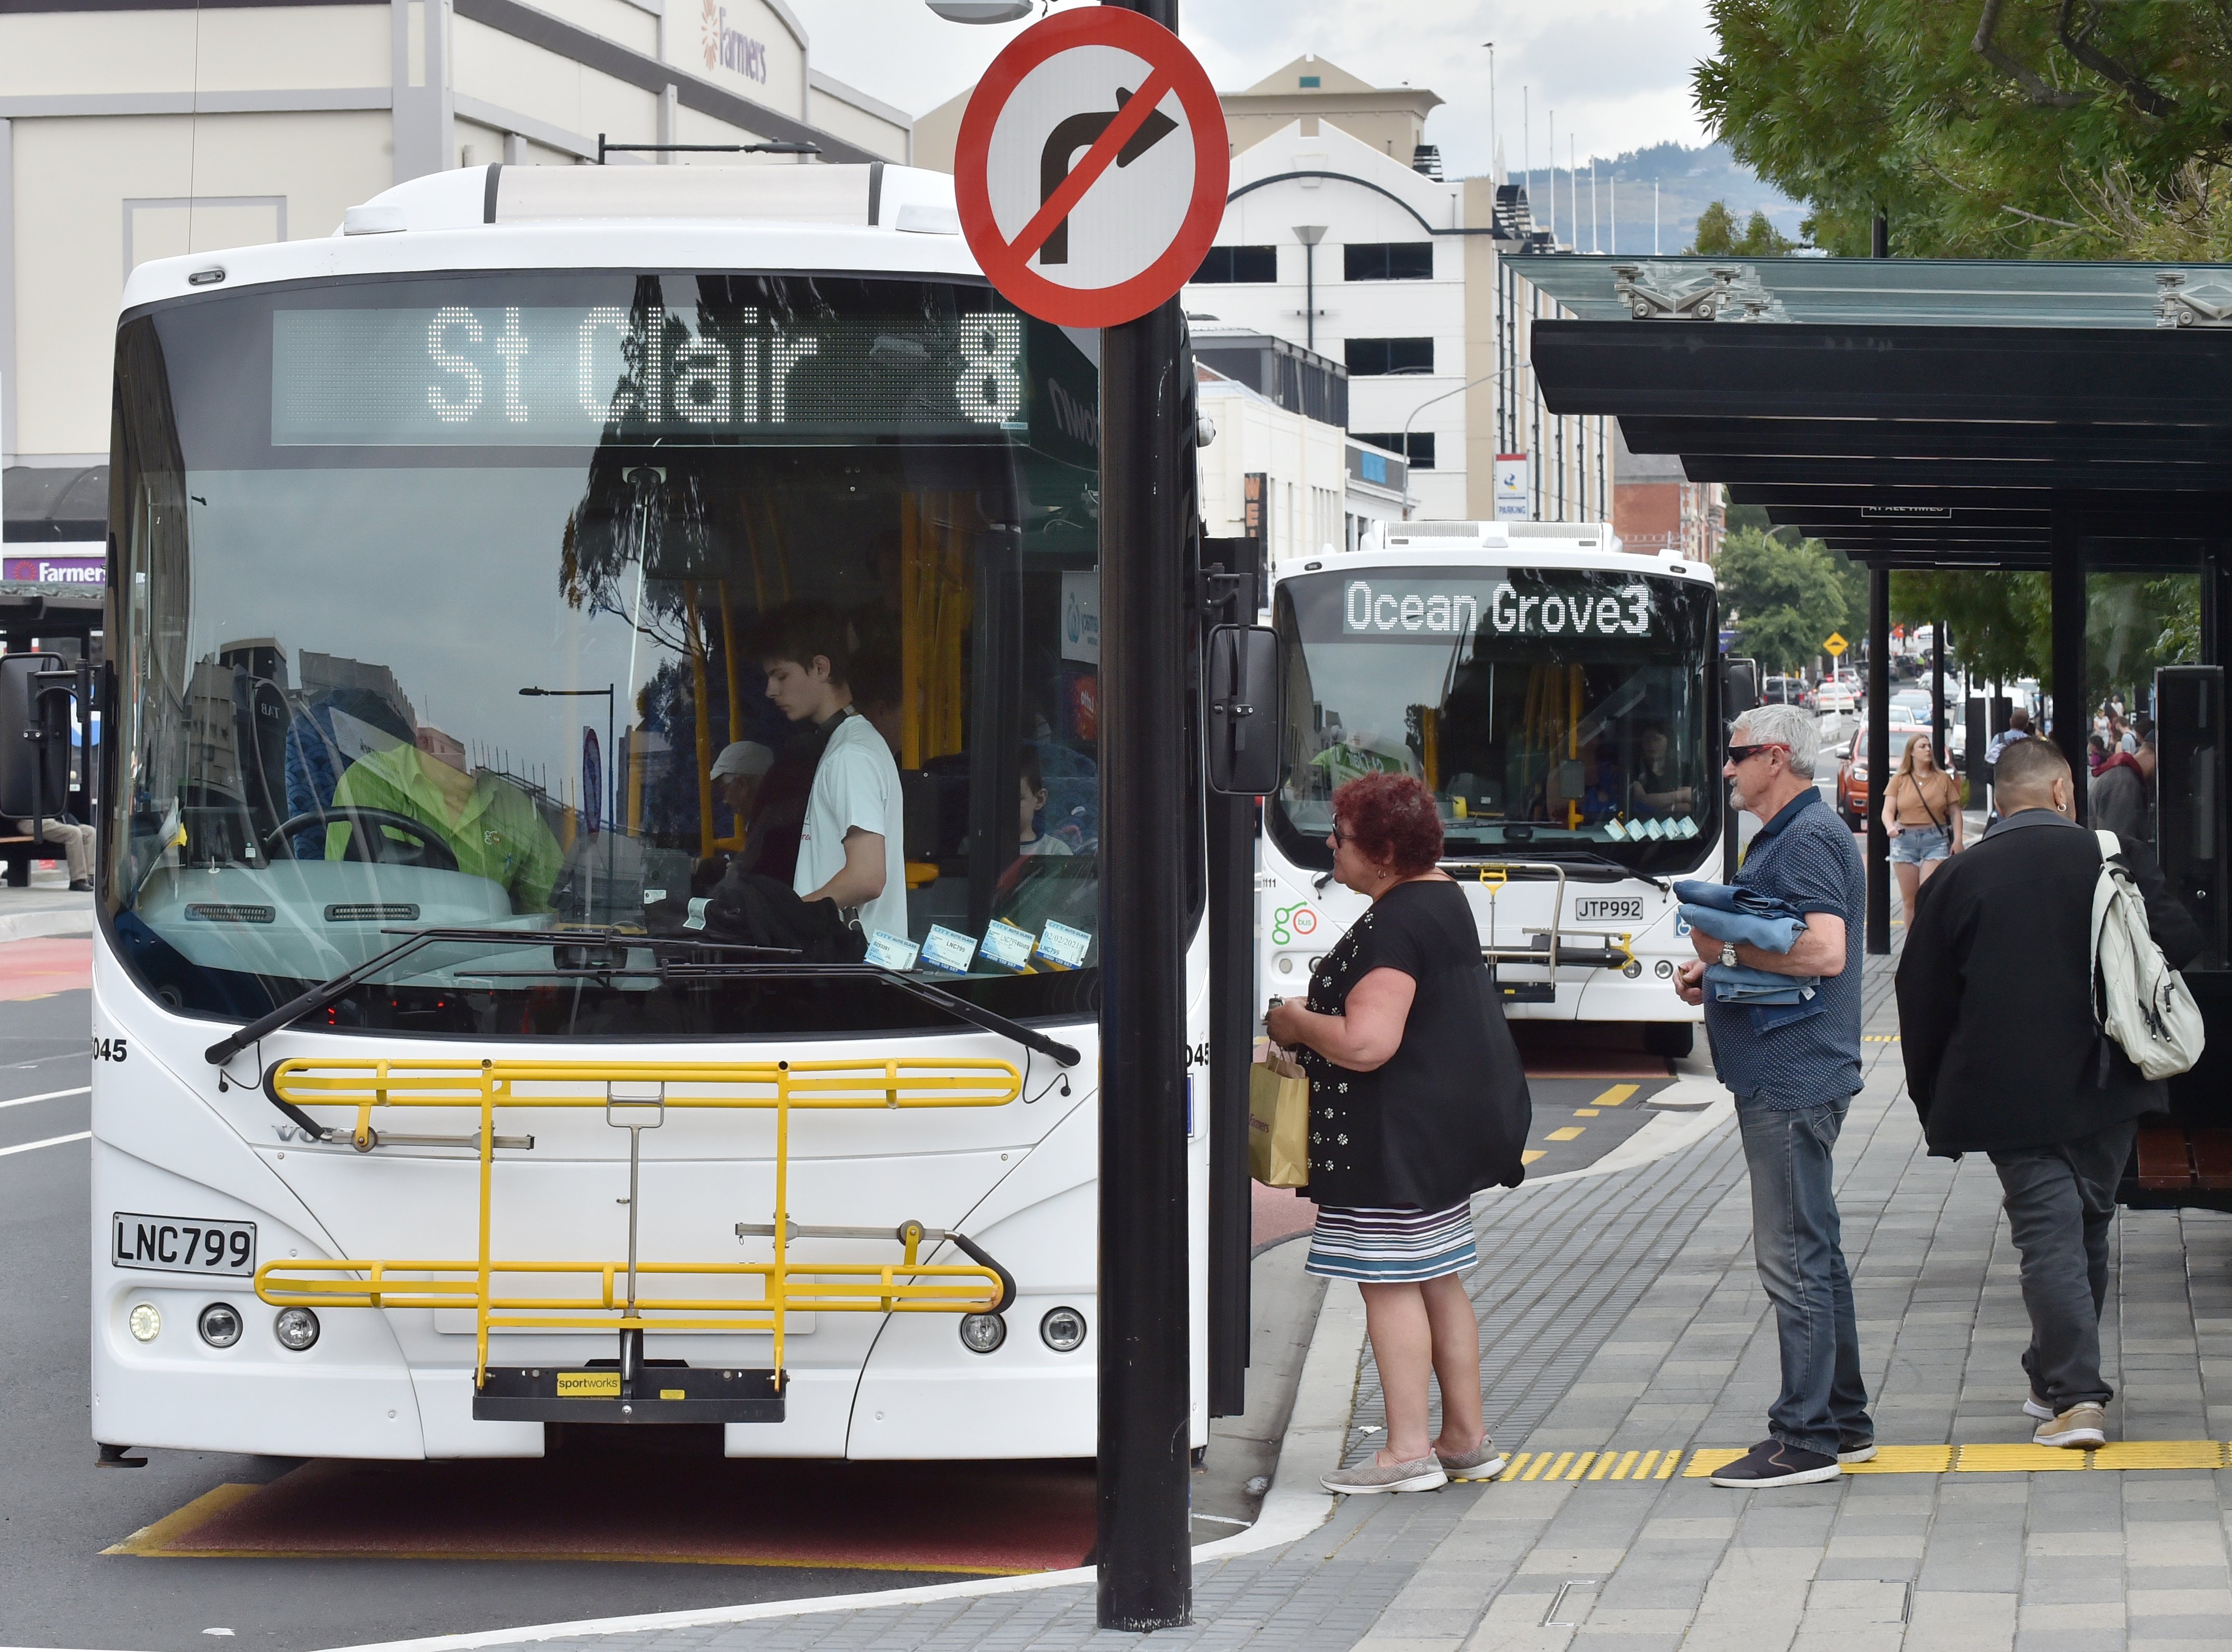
(1065, 193)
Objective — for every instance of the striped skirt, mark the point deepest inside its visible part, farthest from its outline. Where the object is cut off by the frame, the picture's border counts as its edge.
(1380, 1246)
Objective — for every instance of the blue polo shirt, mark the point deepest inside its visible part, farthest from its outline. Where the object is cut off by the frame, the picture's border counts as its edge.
(1780, 1057)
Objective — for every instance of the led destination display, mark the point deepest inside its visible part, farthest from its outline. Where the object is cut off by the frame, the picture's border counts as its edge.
(1535, 605)
(562, 375)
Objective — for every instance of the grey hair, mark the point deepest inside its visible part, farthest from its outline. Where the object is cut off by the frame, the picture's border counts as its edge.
(1782, 725)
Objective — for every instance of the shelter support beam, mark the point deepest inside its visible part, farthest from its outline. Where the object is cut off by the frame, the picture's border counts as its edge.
(1878, 759)
(2066, 586)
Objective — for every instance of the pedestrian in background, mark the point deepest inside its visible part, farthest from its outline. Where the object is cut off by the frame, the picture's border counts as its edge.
(1418, 1101)
(2122, 794)
(1922, 812)
(2004, 1056)
(1794, 1069)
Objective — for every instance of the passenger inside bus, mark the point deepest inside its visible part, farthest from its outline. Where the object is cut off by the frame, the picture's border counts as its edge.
(1655, 789)
(1030, 839)
(490, 827)
(850, 848)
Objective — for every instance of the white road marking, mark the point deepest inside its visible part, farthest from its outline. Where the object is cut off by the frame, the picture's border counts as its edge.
(51, 1095)
(51, 1141)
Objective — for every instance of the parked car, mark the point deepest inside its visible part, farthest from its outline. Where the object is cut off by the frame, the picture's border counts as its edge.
(1785, 690)
(1853, 770)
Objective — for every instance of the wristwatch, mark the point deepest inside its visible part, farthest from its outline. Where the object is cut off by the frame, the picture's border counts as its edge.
(1728, 954)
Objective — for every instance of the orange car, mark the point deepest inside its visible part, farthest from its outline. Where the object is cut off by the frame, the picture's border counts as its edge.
(1852, 773)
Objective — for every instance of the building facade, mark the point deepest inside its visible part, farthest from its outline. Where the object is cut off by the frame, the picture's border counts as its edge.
(144, 130)
(1655, 506)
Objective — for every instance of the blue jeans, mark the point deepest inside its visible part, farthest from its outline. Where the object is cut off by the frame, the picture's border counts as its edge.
(1795, 1240)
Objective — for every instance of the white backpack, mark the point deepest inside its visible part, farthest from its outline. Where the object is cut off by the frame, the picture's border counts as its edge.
(2139, 999)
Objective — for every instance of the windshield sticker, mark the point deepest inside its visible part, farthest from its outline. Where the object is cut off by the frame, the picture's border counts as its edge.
(892, 951)
(1004, 943)
(697, 918)
(1616, 830)
(1063, 945)
(945, 949)
(1686, 826)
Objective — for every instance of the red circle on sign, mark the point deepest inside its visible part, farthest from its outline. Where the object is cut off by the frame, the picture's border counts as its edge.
(1167, 59)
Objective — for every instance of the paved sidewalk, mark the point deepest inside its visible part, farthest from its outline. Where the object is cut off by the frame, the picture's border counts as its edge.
(1621, 1314)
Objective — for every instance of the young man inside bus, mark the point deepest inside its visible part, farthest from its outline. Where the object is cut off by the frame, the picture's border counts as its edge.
(850, 849)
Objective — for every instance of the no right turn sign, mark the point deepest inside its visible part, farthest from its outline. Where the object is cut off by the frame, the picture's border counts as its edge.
(1090, 167)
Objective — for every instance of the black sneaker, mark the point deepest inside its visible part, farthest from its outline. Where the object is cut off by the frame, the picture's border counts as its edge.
(1772, 1463)
(1853, 1448)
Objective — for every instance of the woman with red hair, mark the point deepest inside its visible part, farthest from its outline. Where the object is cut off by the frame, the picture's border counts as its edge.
(1418, 1101)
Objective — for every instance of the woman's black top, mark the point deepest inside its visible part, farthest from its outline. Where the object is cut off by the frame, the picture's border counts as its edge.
(1448, 1115)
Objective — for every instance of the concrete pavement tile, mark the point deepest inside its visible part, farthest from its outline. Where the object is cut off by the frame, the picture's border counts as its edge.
(2179, 1603)
(1549, 1560)
(2070, 1615)
(1672, 1527)
(1851, 1545)
(2049, 1585)
(1960, 1621)
(2068, 1543)
(1452, 1624)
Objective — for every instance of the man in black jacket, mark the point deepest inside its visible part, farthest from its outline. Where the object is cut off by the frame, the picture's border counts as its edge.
(2004, 1057)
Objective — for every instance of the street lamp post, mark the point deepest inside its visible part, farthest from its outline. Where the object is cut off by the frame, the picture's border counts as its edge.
(1420, 408)
(610, 786)
(1309, 234)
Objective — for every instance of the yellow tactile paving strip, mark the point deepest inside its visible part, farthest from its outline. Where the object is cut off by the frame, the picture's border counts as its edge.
(1588, 1466)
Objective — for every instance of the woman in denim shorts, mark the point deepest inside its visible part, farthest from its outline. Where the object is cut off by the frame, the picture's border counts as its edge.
(1922, 812)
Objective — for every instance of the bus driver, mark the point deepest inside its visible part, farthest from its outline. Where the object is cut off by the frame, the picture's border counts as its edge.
(850, 850)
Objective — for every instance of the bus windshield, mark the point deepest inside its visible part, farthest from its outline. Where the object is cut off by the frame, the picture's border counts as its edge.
(1550, 710)
(641, 603)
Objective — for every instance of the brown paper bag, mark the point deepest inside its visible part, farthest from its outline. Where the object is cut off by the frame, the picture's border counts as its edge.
(1278, 1122)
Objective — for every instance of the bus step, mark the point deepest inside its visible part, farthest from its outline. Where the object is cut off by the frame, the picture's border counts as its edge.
(663, 1392)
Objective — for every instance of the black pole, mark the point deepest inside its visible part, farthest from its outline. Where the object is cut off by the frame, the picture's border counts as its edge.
(1878, 759)
(1232, 1023)
(1146, 1578)
(1880, 237)
(2067, 588)
(1937, 722)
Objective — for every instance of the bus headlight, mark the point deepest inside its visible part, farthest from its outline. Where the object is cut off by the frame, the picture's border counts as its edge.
(145, 1321)
(1063, 1330)
(219, 1325)
(981, 1333)
(297, 1328)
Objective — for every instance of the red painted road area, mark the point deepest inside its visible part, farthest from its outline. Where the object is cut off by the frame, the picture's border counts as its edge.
(54, 964)
(625, 1505)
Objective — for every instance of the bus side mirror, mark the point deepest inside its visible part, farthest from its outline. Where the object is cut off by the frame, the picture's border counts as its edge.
(1243, 702)
(1739, 688)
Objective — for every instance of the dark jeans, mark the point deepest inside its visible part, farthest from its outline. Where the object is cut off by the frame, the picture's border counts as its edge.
(1795, 1239)
(2061, 1202)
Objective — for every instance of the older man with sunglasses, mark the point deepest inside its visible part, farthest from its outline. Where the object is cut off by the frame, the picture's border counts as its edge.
(1794, 1069)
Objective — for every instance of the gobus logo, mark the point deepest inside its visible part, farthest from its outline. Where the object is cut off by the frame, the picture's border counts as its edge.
(1292, 923)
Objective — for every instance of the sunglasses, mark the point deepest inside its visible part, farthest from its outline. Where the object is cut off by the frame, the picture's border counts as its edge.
(1339, 836)
(1745, 754)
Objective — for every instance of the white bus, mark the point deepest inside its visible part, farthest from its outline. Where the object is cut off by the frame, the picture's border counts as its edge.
(448, 1086)
(1561, 696)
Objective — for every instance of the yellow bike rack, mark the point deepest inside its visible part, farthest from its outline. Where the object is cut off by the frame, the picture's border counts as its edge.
(510, 1294)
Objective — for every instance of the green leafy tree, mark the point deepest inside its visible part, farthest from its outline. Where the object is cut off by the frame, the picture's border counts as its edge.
(1998, 626)
(1716, 236)
(1783, 597)
(1991, 129)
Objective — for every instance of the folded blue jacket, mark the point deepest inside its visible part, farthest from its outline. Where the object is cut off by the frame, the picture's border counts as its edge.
(1770, 934)
(1734, 898)
(1736, 984)
(1731, 912)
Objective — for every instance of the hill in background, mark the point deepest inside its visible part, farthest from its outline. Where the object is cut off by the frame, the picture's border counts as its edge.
(1688, 179)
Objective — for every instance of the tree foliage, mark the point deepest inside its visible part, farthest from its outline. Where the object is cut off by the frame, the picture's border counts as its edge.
(1999, 625)
(1986, 128)
(1716, 236)
(1784, 598)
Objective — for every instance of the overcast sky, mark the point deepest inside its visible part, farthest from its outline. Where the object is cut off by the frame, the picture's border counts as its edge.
(1616, 72)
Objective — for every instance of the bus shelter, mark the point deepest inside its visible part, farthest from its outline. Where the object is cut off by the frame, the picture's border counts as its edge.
(2073, 418)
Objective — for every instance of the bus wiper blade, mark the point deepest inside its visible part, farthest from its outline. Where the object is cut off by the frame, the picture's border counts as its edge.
(326, 992)
(990, 1020)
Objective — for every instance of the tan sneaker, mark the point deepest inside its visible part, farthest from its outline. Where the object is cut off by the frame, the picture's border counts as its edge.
(1424, 1475)
(2080, 1426)
(1484, 1461)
